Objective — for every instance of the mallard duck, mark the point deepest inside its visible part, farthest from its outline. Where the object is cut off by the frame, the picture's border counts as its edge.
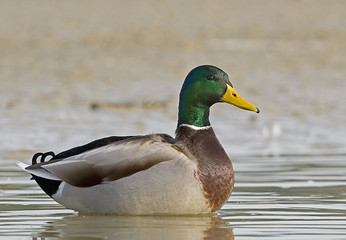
(150, 174)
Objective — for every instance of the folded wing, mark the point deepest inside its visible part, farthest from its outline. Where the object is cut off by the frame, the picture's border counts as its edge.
(110, 162)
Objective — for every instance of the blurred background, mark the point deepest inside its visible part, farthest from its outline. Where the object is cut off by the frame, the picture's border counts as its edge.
(74, 71)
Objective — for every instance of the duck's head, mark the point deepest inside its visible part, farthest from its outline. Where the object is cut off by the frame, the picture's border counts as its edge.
(204, 86)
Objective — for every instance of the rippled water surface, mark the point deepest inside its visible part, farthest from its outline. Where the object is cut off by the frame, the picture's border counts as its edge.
(75, 71)
(293, 197)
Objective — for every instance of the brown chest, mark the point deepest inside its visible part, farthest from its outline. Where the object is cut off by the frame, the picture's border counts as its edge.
(214, 168)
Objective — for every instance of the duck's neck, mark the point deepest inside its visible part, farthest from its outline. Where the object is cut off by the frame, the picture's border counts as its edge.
(193, 114)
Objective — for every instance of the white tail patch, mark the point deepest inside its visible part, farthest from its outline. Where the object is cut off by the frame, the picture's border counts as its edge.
(40, 172)
(23, 165)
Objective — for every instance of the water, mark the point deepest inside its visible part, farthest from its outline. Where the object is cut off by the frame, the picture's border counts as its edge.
(72, 73)
(292, 197)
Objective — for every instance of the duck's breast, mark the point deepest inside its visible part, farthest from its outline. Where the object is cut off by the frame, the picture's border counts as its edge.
(214, 168)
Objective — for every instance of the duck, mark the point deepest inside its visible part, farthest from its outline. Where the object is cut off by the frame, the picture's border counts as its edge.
(153, 174)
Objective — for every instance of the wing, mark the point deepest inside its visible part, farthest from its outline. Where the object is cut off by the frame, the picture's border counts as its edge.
(110, 162)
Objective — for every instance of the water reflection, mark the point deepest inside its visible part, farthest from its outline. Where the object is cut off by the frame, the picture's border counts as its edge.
(131, 227)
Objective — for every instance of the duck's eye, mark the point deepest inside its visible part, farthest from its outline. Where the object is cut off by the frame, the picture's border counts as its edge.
(211, 77)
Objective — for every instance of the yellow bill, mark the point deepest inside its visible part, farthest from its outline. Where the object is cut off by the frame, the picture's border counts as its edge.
(231, 96)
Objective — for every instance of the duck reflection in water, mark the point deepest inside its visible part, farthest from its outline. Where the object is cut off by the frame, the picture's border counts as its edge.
(138, 227)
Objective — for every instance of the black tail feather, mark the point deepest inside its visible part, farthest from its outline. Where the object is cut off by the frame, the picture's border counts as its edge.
(43, 157)
(48, 186)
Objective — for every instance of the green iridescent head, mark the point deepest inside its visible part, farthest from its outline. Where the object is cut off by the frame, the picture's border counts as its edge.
(204, 86)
